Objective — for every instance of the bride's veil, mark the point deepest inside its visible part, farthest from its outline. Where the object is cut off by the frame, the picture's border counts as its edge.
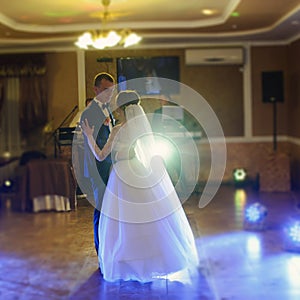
(149, 175)
(140, 134)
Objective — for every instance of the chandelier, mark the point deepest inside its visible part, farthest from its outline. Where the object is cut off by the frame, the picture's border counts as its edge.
(100, 39)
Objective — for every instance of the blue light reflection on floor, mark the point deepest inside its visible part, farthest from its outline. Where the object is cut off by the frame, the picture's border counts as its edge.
(293, 271)
(255, 269)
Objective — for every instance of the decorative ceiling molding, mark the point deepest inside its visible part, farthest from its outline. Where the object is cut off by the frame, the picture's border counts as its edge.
(200, 23)
(259, 21)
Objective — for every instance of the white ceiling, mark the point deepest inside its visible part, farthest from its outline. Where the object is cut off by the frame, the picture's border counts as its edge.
(162, 23)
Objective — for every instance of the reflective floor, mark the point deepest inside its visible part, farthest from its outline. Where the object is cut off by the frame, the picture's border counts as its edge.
(50, 255)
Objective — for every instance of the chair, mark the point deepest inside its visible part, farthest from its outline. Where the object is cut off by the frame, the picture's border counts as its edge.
(46, 184)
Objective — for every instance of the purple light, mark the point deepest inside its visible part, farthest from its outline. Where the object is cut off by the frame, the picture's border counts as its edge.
(254, 217)
(255, 213)
(293, 232)
(292, 235)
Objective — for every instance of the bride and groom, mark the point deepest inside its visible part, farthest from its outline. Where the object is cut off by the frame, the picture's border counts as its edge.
(143, 231)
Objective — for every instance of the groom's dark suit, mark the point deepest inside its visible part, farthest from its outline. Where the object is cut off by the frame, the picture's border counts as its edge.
(92, 167)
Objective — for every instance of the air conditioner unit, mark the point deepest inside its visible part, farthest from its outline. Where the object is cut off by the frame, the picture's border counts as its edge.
(214, 56)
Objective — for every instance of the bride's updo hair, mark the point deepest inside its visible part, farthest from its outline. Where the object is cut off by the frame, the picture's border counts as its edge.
(128, 97)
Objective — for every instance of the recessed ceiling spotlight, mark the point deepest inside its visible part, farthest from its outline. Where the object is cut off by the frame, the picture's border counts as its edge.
(208, 11)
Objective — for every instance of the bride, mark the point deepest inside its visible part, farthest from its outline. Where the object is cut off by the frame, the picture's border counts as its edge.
(143, 231)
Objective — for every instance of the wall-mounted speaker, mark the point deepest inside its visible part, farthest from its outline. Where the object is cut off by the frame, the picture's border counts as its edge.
(272, 86)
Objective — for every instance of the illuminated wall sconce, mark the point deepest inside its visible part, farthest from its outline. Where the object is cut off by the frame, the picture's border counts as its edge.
(7, 186)
(255, 217)
(7, 189)
(292, 235)
(239, 176)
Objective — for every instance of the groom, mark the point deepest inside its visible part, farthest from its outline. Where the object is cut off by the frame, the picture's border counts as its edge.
(98, 116)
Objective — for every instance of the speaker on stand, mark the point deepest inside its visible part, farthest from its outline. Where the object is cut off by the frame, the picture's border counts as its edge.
(275, 174)
(272, 92)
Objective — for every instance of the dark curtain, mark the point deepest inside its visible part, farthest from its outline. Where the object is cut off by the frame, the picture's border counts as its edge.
(31, 71)
(32, 104)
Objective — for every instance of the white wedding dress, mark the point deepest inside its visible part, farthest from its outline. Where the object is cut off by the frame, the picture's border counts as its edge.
(143, 231)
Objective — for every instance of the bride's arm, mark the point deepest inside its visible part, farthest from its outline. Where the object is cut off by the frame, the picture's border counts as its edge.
(100, 154)
(125, 154)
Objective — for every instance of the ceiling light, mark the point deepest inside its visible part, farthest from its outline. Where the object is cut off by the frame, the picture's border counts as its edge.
(104, 38)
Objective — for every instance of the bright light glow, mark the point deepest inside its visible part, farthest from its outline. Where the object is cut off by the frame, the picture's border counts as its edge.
(292, 235)
(131, 39)
(293, 232)
(182, 276)
(239, 174)
(6, 154)
(111, 39)
(240, 197)
(254, 218)
(235, 14)
(7, 183)
(208, 11)
(252, 214)
(84, 40)
(293, 268)
(107, 38)
(99, 43)
(253, 247)
(255, 213)
(163, 148)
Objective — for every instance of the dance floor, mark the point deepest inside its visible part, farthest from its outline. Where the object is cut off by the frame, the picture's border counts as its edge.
(50, 255)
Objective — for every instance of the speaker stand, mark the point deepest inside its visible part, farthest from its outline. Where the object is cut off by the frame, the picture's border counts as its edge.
(274, 126)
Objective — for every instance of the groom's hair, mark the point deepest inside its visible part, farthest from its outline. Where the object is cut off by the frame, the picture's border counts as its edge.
(103, 75)
(127, 97)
